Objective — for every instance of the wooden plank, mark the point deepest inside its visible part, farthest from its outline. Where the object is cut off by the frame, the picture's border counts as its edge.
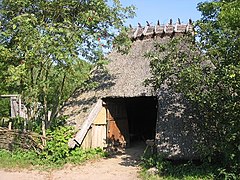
(9, 95)
(118, 134)
(86, 124)
(99, 134)
(115, 136)
(87, 141)
(14, 107)
(101, 117)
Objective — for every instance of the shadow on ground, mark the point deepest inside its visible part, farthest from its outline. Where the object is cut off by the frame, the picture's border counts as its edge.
(130, 156)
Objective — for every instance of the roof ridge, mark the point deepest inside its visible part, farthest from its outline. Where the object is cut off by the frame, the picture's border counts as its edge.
(169, 29)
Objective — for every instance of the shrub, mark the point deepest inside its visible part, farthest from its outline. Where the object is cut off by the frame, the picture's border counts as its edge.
(55, 154)
(57, 149)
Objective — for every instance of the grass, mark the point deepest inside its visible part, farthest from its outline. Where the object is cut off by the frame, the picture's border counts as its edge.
(187, 171)
(171, 170)
(19, 159)
(54, 155)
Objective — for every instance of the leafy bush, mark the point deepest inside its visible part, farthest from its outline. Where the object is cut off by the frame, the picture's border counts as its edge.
(57, 149)
(55, 154)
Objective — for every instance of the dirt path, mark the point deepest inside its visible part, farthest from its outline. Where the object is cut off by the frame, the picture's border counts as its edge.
(123, 167)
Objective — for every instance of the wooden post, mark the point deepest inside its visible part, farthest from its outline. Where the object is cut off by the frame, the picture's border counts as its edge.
(13, 107)
(16, 109)
(21, 114)
(44, 132)
(2, 122)
(19, 106)
(10, 125)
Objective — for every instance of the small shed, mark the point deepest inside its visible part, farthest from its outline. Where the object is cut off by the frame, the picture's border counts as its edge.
(122, 110)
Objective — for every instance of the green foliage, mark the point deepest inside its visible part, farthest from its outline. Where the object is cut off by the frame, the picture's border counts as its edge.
(175, 170)
(57, 145)
(48, 48)
(207, 73)
(79, 155)
(17, 122)
(154, 160)
(54, 155)
(58, 122)
(58, 153)
(123, 42)
(4, 108)
(18, 159)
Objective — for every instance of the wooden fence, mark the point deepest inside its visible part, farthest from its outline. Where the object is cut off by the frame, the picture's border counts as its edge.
(12, 139)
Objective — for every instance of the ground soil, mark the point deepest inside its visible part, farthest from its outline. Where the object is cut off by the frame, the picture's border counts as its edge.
(122, 166)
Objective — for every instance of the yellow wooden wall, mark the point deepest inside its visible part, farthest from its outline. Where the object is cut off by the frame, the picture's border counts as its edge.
(97, 134)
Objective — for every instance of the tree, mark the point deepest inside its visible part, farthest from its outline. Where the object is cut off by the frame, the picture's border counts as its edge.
(4, 103)
(49, 46)
(207, 73)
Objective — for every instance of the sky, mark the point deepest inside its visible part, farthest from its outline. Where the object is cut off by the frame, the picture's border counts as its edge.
(163, 10)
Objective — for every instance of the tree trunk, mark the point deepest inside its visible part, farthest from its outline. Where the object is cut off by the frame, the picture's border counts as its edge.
(55, 108)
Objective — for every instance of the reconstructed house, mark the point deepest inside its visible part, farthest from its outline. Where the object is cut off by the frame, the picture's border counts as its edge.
(122, 110)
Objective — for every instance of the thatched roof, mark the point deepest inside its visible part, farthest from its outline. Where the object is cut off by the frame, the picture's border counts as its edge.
(125, 74)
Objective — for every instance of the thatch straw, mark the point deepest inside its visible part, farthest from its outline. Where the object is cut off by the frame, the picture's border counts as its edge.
(125, 73)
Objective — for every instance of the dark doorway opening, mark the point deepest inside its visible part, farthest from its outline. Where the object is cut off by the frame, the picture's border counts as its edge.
(131, 119)
(142, 115)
